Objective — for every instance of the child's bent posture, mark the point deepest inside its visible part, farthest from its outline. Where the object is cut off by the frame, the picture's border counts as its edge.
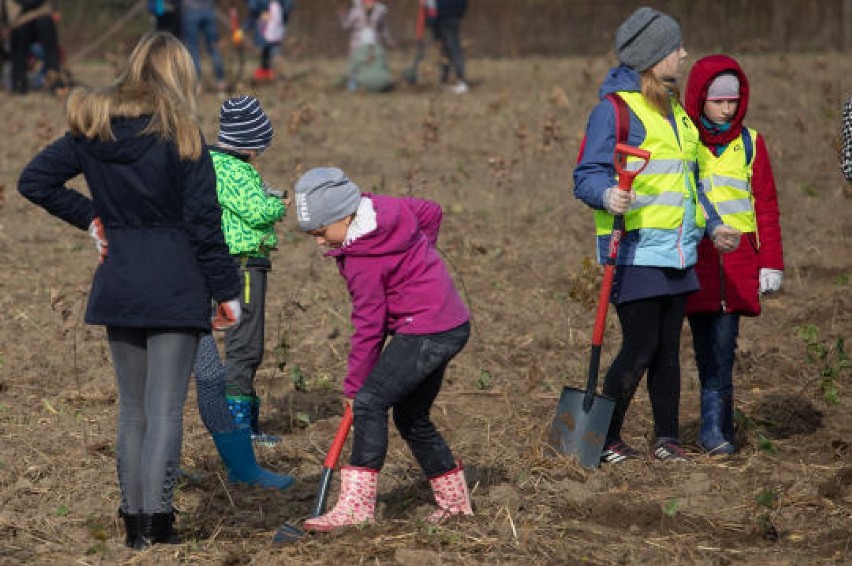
(400, 287)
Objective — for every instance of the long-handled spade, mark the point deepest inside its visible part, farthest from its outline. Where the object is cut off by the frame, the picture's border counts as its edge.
(582, 417)
(288, 533)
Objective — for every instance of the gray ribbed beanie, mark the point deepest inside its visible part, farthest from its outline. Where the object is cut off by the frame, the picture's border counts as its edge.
(325, 195)
(645, 38)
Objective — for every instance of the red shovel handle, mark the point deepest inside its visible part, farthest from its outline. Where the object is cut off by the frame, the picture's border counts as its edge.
(625, 177)
(339, 439)
(625, 183)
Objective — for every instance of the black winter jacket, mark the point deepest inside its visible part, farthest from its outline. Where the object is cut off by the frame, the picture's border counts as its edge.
(167, 256)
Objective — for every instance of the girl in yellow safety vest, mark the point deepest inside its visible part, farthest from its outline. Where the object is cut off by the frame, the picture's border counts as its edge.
(663, 217)
(736, 176)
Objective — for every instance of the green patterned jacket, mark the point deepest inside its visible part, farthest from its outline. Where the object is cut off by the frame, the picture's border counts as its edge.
(248, 213)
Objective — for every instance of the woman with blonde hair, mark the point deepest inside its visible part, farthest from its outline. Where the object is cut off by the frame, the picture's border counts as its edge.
(154, 216)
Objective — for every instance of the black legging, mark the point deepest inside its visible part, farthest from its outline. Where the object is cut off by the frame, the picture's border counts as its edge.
(650, 330)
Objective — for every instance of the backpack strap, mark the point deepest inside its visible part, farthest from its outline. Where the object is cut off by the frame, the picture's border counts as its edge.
(748, 145)
(622, 122)
(622, 117)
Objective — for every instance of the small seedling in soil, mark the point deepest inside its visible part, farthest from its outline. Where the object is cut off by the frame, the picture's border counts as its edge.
(298, 379)
(767, 498)
(484, 381)
(671, 507)
(831, 358)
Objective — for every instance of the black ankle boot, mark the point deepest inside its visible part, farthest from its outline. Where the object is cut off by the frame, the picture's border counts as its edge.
(158, 528)
(133, 529)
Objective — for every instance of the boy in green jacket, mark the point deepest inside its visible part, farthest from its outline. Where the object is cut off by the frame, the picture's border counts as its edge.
(249, 213)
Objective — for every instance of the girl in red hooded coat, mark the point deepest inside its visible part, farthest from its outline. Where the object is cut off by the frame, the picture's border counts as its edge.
(736, 176)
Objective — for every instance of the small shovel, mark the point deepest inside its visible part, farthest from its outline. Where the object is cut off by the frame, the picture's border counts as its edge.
(288, 533)
(582, 417)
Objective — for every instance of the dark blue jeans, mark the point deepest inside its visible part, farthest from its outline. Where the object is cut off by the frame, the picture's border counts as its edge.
(407, 379)
(714, 338)
(201, 23)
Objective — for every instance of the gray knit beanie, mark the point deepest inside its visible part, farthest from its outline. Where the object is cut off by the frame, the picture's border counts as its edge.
(645, 38)
(325, 195)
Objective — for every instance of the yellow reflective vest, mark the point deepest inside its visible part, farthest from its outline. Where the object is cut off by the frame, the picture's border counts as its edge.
(667, 184)
(726, 180)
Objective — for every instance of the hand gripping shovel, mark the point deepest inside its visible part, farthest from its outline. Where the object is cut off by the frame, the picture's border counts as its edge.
(287, 533)
(582, 417)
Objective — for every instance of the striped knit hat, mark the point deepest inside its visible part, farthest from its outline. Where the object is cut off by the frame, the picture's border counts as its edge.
(243, 124)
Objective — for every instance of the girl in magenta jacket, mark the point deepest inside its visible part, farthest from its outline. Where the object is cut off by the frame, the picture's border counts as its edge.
(736, 176)
(385, 250)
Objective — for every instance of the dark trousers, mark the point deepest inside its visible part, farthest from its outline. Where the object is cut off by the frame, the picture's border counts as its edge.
(244, 343)
(714, 338)
(446, 31)
(407, 380)
(266, 53)
(650, 340)
(170, 21)
(40, 30)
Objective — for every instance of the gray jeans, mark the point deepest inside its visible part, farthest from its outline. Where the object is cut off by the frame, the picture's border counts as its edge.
(152, 369)
(244, 343)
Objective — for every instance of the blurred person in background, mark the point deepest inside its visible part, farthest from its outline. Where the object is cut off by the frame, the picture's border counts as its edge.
(268, 23)
(444, 17)
(200, 23)
(166, 14)
(369, 35)
(25, 23)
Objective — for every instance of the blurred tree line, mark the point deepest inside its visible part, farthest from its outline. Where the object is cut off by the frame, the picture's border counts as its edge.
(511, 28)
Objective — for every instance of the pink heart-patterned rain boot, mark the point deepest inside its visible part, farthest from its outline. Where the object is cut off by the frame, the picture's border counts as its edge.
(451, 495)
(356, 504)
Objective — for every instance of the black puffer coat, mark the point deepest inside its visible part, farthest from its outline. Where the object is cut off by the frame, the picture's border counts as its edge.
(167, 256)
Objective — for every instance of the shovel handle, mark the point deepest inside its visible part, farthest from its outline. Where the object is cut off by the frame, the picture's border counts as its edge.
(331, 461)
(625, 183)
(339, 439)
(625, 175)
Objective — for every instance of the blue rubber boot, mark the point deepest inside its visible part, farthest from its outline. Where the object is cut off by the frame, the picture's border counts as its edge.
(710, 436)
(237, 452)
(728, 430)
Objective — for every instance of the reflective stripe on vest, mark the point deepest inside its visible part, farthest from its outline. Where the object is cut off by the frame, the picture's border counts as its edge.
(726, 180)
(668, 180)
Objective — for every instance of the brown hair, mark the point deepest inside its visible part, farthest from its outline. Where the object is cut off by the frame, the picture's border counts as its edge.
(159, 79)
(658, 93)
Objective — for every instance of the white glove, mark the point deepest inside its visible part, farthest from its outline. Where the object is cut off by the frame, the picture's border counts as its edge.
(227, 315)
(725, 238)
(770, 280)
(98, 234)
(617, 201)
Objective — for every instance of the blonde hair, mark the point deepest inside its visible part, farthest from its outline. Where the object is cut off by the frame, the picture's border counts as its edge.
(159, 78)
(659, 93)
